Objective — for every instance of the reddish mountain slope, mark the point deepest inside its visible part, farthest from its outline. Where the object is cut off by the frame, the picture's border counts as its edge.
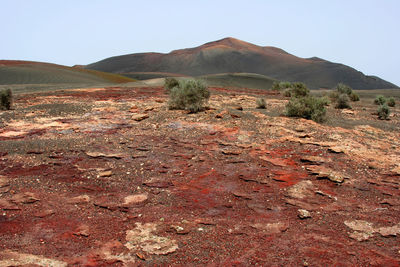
(230, 55)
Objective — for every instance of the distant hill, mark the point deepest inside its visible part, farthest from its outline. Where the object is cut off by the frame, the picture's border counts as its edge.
(230, 55)
(248, 80)
(29, 72)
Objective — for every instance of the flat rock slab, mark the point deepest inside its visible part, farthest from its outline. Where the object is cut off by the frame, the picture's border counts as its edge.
(324, 172)
(11, 258)
(82, 199)
(105, 174)
(301, 190)
(139, 117)
(8, 205)
(314, 159)
(364, 230)
(135, 199)
(24, 198)
(143, 239)
(274, 161)
(271, 228)
(97, 154)
(4, 182)
(158, 182)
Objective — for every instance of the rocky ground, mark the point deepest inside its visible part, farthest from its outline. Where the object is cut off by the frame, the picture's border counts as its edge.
(109, 176)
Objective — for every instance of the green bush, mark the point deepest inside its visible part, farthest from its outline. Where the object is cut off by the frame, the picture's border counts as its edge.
(344, 89)
(354, 97)
(308, 107)
(334, 95)
(278, 86)
(299, 89)
(342, 102)
(287, 93)
(275, 86)
(189, 95)
(325, 100)
(391, 102)
(170, 83)
(285, 85)
(261, 104)
(6, 99)
(383, 112)
(380, 100)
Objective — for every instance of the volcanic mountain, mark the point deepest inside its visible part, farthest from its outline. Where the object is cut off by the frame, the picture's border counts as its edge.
(231, 55)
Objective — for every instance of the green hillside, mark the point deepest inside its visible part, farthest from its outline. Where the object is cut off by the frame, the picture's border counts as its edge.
(26, 72)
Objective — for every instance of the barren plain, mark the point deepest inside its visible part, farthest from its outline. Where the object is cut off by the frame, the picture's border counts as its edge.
(110, 177)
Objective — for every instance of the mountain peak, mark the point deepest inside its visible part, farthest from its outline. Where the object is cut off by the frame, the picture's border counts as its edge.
(230, 42)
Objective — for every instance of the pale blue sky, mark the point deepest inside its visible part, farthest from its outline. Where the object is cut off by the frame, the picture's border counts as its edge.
(361, 34)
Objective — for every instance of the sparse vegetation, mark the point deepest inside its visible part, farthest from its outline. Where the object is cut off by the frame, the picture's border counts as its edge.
(354, 97)
(6, 99)
(391, 102)
(278, 86)
(342, 88)
(342, 95)
(296, 89)
(334, 95)
(299, 89)
(287, 93)
(325, 100)
(380, 100)
(342, 102)
(307, 107)
(383, 112)
(189, 95)
(261, 104)
(170, 83)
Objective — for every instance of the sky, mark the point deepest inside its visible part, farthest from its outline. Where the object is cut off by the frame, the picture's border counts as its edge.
(363, 34)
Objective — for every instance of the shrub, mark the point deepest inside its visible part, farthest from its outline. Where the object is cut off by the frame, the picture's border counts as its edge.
(285, 85)
(380, 100)
(344, 89)
(170, 83)
(275, 86)
(260, 102)
(189, 95)
(299, 89)
(391, 102)
(308, 107)
(6, 99)
(325, 100)
(354, 97)
(342, 102)
(278, 86)
(383, 112)
(287, 93)
(334, 95)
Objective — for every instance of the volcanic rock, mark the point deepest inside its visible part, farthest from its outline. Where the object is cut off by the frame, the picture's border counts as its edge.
(271, 228)
(303, 214)
(105, 174)
(24, 198)
(8, 205)
(324, 172)
(97, 154)
(135, 199)
(4, 182)
(142, 238)
(139, 117)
